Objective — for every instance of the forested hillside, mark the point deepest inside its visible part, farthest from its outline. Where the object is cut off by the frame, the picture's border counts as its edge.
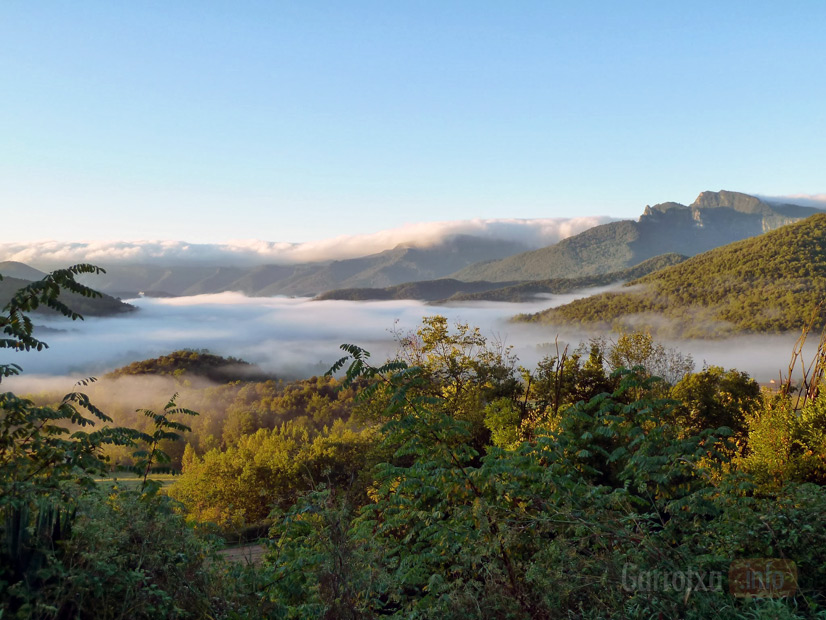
(190, 364)
(769, 284)
(713, 220)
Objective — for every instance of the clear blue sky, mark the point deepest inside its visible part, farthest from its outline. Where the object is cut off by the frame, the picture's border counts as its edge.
(295, 121)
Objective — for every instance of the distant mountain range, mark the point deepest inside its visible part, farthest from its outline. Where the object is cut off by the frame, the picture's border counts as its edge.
(768, 284)
(401, 264)
(449, 290)
(17, 275)
(446, 269)
(712, 220)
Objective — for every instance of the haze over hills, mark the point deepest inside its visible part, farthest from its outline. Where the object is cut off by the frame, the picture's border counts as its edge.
(450, 290)
(14, 269)
(769, 284)
(712, 220)
(400, 264)
(497, 252)
(98, 306)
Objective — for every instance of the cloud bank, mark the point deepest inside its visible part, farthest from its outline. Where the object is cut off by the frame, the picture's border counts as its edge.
(297, 337)
(291, 337)
(534, 233)
(818, 201)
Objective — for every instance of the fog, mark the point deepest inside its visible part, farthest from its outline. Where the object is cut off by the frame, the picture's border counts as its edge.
(534, 233)
(291, 337)
(817, 201)
(298, 337)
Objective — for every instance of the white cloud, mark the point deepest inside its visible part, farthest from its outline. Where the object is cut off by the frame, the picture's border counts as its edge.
(806, 200)
(534, 233)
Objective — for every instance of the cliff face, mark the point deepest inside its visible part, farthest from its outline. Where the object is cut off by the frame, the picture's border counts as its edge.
(725, 208)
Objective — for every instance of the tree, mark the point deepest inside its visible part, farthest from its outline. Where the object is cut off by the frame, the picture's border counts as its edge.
(716, 397)
(69, 547)
(461, 368)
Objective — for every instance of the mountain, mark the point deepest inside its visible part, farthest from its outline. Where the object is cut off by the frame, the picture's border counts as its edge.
(532, 289)
(13, 269)
(426, 290)
(86, 306)
(448, 290)
(712, 220)
(768, 284)
(388, 268)
(129, 280)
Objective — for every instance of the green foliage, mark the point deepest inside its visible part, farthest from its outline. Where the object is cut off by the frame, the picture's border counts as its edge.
(767, 284)
(503, 419)
(316, 567)
(152, 459)
(547, 527)
(459, 369)
(68, 547)
(785, 445)
(240, 485)
(716, 397)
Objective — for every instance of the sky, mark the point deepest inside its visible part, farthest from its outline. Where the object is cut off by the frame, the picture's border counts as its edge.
(300, 121)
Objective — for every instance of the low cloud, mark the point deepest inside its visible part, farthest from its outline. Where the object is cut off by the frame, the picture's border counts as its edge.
(817, 201)
(297, 338)
(290, 337)
(534, 233)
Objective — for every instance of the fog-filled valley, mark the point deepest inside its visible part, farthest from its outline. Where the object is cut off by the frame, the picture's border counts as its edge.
(412, 311)
(294, 338)
(465, 399)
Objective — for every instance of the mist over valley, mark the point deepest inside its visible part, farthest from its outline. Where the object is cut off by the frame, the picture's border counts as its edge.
(462, 311)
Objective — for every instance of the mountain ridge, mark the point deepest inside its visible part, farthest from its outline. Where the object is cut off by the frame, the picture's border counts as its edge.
(403, 263)
(713, 220)
(450, 290)
(772, 283)
(105, 305)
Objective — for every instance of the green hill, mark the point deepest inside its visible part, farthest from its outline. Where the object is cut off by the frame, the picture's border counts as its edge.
(194, 364)
(714, 219)
(528, 291)
(768, 284)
